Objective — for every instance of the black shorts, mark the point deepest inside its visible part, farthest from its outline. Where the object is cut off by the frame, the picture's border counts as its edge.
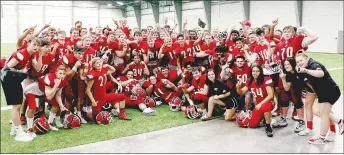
(329, 95)
(231, 102)
(12, 87)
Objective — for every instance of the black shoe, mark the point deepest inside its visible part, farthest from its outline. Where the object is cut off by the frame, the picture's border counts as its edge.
(269, 132)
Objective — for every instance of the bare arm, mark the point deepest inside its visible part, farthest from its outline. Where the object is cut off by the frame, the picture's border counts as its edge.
(50, 92)
(89, 93)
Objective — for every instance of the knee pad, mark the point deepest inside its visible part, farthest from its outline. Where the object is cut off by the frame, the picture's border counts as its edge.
(298, 105)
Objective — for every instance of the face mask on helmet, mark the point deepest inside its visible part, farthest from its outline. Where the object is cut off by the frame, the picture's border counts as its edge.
(175, 104)
(192, 112)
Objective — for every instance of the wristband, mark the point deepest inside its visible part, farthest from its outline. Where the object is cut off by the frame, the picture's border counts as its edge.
(75, 69)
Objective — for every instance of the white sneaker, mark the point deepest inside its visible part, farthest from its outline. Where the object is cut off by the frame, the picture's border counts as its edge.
(115, 112)
(23, 137)
(149, 111)
(30, 133)
(52, 127)
(300, 127)
(331, 136)
(83, 121)
(58, 124)
(306, 132)
(13, 131)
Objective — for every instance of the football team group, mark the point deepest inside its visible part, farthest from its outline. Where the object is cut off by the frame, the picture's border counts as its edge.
(95, 74)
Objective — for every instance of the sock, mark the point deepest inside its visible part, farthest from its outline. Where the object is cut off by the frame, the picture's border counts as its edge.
(58, 118)
(29, 122)
(204, 111)
(51, 117)
(333, 128)
(13, 127)
(19, 129)
(79, 113)
(310, 125)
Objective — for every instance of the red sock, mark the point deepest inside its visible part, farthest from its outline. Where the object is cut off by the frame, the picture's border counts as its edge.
(310, 125)
(332, 128)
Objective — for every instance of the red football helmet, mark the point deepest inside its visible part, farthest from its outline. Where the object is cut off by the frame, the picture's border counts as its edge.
(103, 117)
(72, 121)
(243, 119)
(150, 102)
(192, 112)
(41, 125)
(175, 104)
(274, 64)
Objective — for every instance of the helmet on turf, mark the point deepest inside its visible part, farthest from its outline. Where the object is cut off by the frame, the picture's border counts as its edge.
(192, 112)
(150, 102)
(103, 117)
(243, 118)
(175, 104)
(72, 121)
(107, 107)
(41, 125)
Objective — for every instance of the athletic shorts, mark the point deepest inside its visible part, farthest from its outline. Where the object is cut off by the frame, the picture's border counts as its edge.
(11, 84)
(231, 102)
(329, 95)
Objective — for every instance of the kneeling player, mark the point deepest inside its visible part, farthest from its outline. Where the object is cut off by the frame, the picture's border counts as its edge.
(261, 88)
(97, 79)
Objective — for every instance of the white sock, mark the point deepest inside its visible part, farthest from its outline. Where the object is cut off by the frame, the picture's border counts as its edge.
(79, 113)
(84, 109)
(51, 117)
(58, 118)
(204, 111)
(13, 128)
(19, 129)
(29, 122)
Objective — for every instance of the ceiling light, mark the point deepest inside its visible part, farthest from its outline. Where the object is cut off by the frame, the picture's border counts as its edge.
(120, 3)
(109, 5)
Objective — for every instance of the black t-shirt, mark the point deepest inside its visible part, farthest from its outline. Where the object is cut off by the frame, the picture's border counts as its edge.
(217, 88)
(320, 85)
(221, 49)
(296, 79)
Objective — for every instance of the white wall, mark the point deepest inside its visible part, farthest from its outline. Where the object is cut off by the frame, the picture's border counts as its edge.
(147, 18)
(191, 12)
(167, 12)
(225, 14)
(264, 12)
(326, 21)
(59, 13)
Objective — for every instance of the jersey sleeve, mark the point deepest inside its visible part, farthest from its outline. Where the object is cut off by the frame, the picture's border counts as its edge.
(267, 81)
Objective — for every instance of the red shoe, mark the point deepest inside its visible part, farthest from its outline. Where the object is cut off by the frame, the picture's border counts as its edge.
(123, 116)
(23, 120)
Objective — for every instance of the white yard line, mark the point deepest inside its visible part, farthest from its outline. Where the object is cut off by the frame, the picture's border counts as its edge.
(331, 69)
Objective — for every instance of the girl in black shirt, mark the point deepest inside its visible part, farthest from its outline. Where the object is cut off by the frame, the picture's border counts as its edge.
(220, 94)
(325, 88)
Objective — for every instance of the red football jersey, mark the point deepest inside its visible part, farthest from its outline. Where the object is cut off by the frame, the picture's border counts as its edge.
(186, 53)
(230, 44)
(22, 56)
(99, 85)
(171, 55)
(109, 45)
(241, 74)
(138, 70)
(89, 53)
(48, 80)
(2, 63)
(129, 88)
(237, 52)
(259, 91)
(199, 84)
(210, 47)
(22, 45)
(152, 54)
(73, 42)
(289, 48)
(172, 76)
(47, 60)
(61, 50)
(161, 90)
